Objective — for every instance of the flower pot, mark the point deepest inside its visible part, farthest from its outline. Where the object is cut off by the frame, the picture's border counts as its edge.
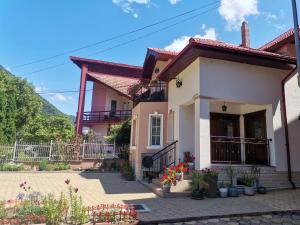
(249, 191)
(262, 190)
(179, 176)
(198, 194)
(223, 192)
(212, 187)
(166, 188)
(233, 192)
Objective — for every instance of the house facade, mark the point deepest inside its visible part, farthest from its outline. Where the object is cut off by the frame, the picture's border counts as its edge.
(110, 103)
(220, 104)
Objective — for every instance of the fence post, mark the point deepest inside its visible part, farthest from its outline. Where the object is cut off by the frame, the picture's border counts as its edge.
(50, 151)
(83, 148)
(14, 153)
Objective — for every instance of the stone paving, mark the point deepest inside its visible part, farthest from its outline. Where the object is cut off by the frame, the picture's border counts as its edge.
(266, 219)
(97, 188)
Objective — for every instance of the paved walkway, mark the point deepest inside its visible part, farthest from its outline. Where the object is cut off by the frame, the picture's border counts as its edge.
(97, 188)
(267, 219)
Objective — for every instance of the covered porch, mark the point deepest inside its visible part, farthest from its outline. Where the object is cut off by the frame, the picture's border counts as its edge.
(226, 132)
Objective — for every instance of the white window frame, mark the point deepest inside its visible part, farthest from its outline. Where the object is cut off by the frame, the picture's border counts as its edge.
(161, 131)
(133, 145)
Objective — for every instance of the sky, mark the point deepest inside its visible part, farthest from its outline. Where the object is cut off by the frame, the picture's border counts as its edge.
(31, 30)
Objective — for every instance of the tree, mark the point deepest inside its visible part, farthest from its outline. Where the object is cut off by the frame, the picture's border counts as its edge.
(120, 133)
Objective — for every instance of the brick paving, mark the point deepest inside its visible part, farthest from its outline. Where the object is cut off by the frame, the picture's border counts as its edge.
(97, 188)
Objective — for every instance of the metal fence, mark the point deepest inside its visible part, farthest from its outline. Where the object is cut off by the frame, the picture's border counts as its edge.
(56, 151)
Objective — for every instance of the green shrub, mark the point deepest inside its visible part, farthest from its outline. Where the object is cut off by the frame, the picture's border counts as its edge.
(29, 208)
(43, 165)
(78, 212)
(3, 212)
(61, 166)
(54, 210)
(11, 166)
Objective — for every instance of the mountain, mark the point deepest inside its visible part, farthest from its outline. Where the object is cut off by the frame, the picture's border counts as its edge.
(25, 115)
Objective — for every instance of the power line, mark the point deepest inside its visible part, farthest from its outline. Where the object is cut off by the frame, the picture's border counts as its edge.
(114, 37)
(126, 42)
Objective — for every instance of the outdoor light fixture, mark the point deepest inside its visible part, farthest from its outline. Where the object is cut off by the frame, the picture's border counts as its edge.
(224, 107)
(178, 83)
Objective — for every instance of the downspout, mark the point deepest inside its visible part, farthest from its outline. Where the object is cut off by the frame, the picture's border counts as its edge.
(286, 127)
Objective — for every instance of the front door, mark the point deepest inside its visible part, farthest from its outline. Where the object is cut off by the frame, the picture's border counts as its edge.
(225, 133)
(256, 138)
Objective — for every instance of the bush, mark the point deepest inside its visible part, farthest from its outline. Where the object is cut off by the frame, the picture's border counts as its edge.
(11, 166)
(43, 165)
(61, 166)
(28, 208)
(3, 212)
(54, 210)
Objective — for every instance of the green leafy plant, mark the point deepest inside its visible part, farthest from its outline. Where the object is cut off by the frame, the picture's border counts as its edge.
(3, 212)
(54, 210)
(43, 165)
(231, 173)
(120, 133)
(11, 166)
(28, 208)
(78, 212)
(198, 181)
(128, 171)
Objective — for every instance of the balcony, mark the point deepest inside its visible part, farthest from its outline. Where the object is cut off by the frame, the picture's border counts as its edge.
(151, 93)
(106, 116)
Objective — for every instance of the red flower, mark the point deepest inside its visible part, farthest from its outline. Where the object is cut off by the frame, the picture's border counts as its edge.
(76, 190)
(67, 181)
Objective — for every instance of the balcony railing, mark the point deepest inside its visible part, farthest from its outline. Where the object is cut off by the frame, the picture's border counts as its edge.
(151, 93)
(106, 116)
(240, 150)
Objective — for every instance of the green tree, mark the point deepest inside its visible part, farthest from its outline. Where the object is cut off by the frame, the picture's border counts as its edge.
(120, 133)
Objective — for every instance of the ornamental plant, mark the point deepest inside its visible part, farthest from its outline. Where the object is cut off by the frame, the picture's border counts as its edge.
(189, 158)
(181, 168)
(209, 174)
(169, 177)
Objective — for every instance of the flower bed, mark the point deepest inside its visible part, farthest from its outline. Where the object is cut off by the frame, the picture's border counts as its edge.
(32, 208)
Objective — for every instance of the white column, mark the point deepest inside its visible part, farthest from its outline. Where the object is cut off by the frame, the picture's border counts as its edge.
(202, 134)
(270, 134)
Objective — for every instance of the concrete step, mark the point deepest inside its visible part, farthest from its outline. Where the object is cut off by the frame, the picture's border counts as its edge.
(176, 191)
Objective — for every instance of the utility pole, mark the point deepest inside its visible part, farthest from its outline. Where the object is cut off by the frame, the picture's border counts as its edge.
(296, 35)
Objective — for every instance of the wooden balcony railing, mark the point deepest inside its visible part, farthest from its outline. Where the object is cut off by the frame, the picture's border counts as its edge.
(240, 150)
(106, 116)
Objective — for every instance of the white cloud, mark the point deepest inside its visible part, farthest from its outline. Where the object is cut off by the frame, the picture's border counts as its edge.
(127, 5)
(8, 69)
(57, 97)
(174, 2)
(236, 11)
(179, 43)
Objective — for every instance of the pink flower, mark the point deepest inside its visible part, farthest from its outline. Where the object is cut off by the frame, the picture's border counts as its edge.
(76, 190)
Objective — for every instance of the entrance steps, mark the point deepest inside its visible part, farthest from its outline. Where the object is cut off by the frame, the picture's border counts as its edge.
(181, 189)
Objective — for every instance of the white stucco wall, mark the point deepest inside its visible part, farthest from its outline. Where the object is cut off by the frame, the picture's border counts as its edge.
(293, 112)
(218, 80)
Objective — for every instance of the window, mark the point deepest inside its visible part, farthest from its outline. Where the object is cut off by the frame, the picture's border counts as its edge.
(133, 137)
(155, 130)
(113, 107)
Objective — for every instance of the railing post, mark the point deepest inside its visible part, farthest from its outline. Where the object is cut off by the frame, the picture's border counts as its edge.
(14, 153)
(83, 149)
(50, 151)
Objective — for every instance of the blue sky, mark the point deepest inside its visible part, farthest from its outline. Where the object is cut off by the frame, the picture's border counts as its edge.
(35, 29)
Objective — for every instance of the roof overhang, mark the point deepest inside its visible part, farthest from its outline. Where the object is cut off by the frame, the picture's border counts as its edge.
(194, 50)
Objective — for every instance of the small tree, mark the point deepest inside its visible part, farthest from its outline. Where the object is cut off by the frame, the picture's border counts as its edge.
(120, 133)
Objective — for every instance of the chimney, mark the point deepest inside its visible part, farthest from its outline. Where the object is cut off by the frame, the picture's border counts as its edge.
(245, 35)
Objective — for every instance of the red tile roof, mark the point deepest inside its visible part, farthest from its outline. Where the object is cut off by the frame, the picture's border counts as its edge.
(279, 41)
(118, 83)
(163, 51)
(238, 49)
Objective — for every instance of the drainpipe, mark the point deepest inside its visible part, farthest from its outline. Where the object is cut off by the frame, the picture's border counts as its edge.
(286, 127)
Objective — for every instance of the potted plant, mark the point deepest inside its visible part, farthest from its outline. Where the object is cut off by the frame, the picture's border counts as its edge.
(181, 168)
(231, 173)
(256, 173)
(223, 190)
(211, 178)
(167, 179)
(189, 159)
(198, 184)
(248, 181)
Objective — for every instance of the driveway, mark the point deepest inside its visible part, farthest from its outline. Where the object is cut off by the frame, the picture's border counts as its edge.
(97, 188)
